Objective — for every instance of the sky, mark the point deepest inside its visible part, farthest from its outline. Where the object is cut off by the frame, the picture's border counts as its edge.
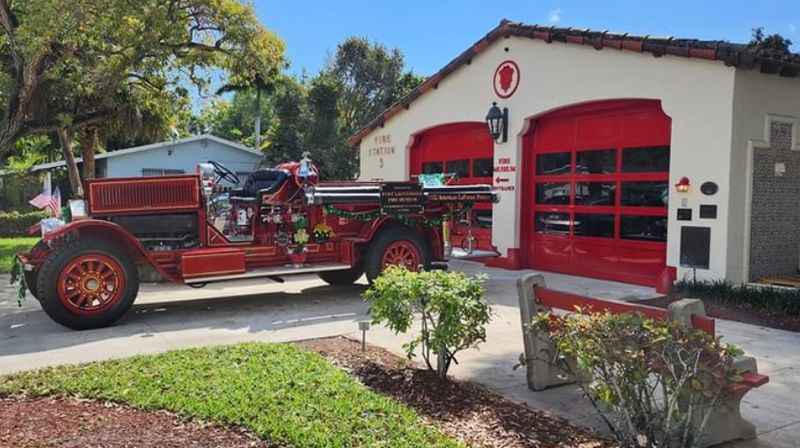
(432, 32)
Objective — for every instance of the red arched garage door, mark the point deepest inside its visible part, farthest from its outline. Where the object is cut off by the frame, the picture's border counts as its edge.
(466, 151)
(595, 192)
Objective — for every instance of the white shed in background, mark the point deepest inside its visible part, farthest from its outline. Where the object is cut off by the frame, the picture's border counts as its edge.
(172, 157)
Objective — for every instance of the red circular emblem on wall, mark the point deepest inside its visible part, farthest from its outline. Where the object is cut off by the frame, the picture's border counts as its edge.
(506, 79)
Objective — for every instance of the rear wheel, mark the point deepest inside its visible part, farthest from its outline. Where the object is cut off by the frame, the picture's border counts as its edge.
(341, 278)
(87, 284)
(397, 246)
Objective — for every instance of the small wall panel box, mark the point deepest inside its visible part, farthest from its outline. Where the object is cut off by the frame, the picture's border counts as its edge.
(708, 211)
(684, 214)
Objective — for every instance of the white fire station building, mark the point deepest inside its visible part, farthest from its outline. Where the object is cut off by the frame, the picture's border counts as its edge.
(629, 158)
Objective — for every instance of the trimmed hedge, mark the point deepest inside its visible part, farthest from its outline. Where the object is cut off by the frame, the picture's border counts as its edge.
(16, 224)
(776, 300)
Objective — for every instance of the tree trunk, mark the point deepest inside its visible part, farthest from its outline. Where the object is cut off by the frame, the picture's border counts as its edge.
(442, 363)
(88, 147)
(65, 137)
(258, 119)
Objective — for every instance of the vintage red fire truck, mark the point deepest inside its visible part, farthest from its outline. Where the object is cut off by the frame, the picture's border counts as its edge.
(191, 229)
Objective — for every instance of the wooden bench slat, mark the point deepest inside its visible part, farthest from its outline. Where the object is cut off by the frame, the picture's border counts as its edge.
(755, 379)
(568, 302)
(704, 323)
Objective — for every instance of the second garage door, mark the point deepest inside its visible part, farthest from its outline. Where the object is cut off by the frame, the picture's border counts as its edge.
(596, 183)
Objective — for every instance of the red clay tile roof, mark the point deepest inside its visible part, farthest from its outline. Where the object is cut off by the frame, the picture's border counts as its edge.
(734, 55)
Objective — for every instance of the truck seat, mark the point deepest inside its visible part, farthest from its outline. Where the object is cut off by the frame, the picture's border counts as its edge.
(261, 181)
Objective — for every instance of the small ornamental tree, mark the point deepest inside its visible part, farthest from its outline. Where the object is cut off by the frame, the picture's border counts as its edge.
(451, 307)
(654, 383)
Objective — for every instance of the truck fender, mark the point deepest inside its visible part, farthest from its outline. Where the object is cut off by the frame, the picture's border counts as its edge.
(109, 231)
(429, 236)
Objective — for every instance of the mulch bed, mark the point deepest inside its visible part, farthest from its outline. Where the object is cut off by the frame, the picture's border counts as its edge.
(462, 410)
(68, 423)
(738, 313)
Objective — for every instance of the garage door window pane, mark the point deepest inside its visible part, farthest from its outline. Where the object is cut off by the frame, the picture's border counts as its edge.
(645, 194)
(482, 168)
(552, 193)
(554, 163)
(644, 228)
(552, 223)
(432, 168)
(594, 225)
(645, 160)
(458, 168)
(596, 162)
(595, 193)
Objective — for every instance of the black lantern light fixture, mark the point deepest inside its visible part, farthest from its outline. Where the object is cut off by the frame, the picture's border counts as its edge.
(497, 121)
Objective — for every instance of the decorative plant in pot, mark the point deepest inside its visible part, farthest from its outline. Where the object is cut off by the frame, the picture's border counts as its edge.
(298, 251)
(323, 233)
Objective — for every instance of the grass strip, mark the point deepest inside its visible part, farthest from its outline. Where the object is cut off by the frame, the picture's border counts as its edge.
(283, 394)
(9, 247)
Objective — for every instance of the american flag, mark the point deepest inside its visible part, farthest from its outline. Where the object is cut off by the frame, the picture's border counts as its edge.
(48, 200)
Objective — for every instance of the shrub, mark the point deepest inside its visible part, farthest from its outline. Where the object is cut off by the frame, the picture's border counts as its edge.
(776, 300)
(654, 383)
(15, 223)
(453, 311)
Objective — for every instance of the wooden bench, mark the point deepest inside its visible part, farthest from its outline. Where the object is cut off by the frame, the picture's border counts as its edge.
(725, 424)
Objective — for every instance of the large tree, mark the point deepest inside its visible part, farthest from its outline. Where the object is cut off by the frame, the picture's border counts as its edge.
(371, 78)
(66, 68)
(317, 114)
(770, 42)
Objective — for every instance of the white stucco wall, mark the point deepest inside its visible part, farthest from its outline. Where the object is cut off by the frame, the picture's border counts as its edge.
(758, 98)
(696, 94)
(181, 156)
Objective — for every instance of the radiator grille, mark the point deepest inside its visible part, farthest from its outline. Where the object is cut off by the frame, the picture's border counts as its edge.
(132, 195)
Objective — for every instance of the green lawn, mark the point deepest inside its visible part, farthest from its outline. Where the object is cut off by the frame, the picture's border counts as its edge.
(282, 393)
(10, 246)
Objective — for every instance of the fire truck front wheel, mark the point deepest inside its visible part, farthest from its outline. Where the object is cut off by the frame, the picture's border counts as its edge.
(396, 246)
(88, 283)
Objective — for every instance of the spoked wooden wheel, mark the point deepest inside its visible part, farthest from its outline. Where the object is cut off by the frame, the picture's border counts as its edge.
(88, 283)
(396, 246)
(91, 283)
(402, 253)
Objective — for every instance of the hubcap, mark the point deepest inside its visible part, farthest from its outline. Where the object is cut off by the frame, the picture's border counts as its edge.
(91, 283)
(402, 253)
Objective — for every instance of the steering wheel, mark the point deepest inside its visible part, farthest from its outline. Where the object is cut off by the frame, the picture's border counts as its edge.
(224, 173)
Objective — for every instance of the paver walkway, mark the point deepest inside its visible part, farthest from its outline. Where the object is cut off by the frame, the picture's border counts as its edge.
(169, 317)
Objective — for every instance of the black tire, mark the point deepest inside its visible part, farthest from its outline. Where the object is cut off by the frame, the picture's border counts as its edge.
(373, 263)
(31, 277)
(49, 276)
(30, 281)
(341, 278)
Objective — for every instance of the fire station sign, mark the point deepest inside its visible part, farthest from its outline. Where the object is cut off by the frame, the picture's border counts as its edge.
(402, 197)
(506, 79)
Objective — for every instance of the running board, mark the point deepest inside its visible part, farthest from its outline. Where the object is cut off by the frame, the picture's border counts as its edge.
(275, 272)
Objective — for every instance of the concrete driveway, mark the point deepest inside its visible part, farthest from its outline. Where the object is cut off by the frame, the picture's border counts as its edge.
(168, 317)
